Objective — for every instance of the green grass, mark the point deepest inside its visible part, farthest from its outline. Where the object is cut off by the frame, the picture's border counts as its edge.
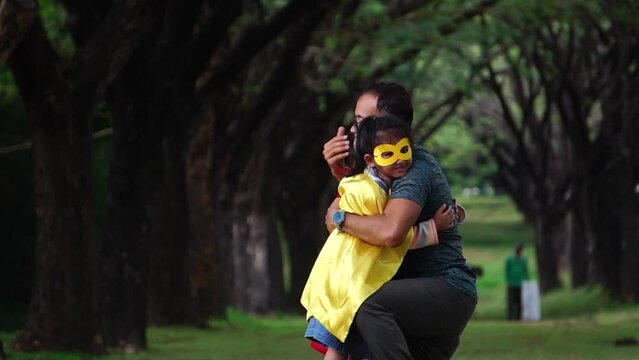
(549, 339)
(492, 230)
(280, 338)
(244, 337)
(576, 324)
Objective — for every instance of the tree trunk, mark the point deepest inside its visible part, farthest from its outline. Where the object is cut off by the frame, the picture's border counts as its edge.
(125, 258)
(546, 256)
(61, 315)
(257, 264)
(606, 210)
(619, 164)
(630, 228)
(208, 255)
(303, 219)
(170, 236)
(301, 208)
(62, 312)
(582, 238)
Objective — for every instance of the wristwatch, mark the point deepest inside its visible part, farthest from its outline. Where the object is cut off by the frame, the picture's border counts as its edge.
(338, 219)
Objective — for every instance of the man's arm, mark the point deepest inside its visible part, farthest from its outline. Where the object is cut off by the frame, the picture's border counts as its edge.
(387, 229)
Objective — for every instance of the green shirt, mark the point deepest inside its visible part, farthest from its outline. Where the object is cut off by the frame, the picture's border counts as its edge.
(426, 184)
(516, 270)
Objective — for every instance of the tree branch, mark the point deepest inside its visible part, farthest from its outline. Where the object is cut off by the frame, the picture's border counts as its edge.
(15, 19)
(34, 64)
(452, 102)
(212, 33)
(296, 41)
(108, 50)
(85, 17)
(480, 9)
(251, 42)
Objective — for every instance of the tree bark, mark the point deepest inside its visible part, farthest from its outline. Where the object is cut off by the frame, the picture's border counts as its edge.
(630, 229)
(209, 262)
(581, 244)
(15, 19)
(170, 236)
(156, 111)
(546, 256)
(258, 285)
(62, 312)
(301, 209)
(125, 249)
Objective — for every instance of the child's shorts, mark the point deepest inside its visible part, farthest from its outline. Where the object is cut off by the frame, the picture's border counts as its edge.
(353, 345)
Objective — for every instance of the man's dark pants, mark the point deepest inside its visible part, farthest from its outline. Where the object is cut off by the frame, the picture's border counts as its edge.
(418, 318)
(514, 303)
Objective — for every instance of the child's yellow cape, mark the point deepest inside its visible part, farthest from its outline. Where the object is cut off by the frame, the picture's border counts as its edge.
(347, 270)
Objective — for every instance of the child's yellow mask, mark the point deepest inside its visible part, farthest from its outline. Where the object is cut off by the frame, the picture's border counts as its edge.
(388, 154)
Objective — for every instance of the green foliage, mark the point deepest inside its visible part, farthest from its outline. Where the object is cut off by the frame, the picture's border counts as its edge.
(8, 91)
(338, 86)
(13, 123)
(17, 211)
(370, 10)
(465, 163)
(55, 19)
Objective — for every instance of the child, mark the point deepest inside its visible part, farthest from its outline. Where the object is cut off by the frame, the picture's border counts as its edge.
(347, 270)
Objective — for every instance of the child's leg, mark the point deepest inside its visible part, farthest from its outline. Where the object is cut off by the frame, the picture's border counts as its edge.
(333, 354)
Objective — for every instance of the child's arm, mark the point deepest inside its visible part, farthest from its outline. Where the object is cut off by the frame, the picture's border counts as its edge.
(425, 233)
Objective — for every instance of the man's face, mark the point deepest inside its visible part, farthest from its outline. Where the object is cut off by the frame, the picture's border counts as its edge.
(366, 106)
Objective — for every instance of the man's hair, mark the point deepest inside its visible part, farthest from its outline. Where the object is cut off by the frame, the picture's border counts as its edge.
(366, 139)
(392, 98)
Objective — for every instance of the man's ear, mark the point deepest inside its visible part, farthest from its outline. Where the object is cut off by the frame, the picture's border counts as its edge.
(369, 160)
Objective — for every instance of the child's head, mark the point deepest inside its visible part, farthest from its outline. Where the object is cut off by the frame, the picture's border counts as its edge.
(383, 143)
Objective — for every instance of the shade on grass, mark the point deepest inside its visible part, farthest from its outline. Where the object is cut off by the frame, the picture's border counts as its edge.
(577, 324)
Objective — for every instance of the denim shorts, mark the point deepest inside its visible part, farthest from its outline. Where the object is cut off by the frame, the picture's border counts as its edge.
(353, 345)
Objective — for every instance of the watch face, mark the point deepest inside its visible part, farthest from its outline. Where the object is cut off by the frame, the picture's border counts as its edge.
(338, 217)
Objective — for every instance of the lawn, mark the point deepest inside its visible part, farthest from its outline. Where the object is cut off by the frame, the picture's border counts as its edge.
(576, 324)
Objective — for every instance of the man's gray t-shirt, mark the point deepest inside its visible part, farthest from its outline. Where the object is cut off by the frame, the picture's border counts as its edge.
(426, 184)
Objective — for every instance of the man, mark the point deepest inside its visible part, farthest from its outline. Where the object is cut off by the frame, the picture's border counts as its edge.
(421, 313)
(516, 272)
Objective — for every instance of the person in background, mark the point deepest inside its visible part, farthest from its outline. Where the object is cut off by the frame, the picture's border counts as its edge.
(516, 269)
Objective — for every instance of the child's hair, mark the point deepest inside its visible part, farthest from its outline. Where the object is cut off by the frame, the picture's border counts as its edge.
(366, 139)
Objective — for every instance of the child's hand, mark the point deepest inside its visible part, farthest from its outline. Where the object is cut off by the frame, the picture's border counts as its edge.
(443, 218)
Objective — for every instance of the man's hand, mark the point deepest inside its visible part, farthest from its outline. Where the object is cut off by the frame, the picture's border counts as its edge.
(443, 218)
(335, 151)
(329, 215)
